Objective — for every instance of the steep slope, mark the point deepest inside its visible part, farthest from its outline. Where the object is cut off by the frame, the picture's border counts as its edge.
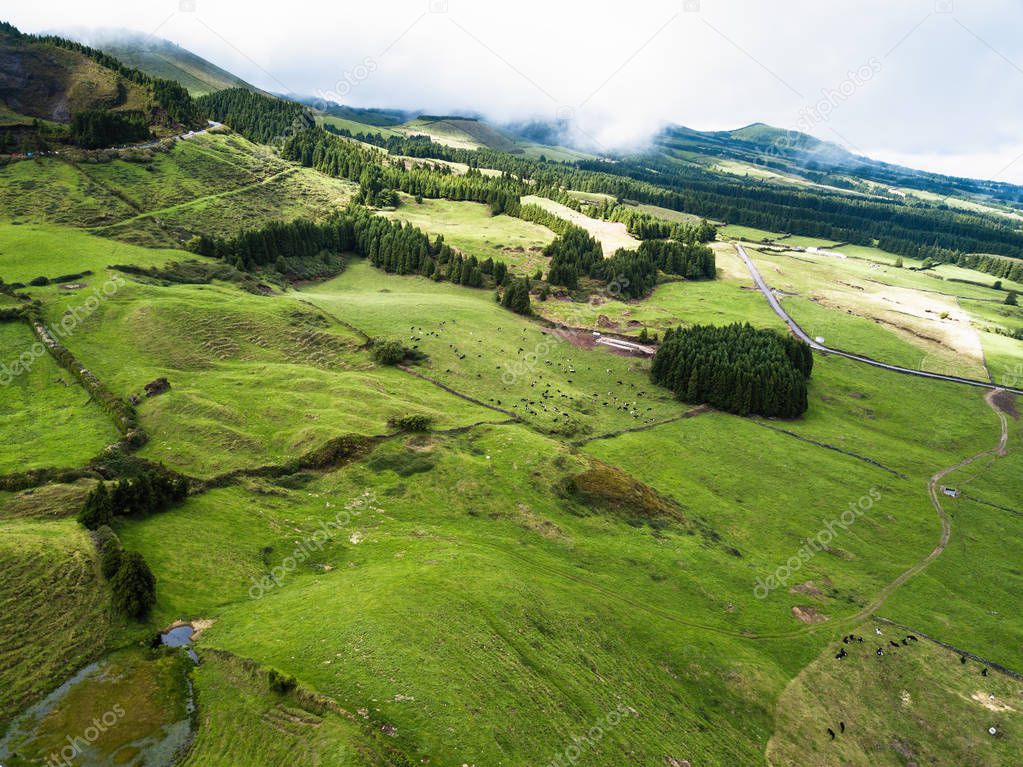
(54, 90)
(161, 58)
(38, 79)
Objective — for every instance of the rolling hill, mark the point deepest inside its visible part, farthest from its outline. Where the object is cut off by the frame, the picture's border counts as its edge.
(414, 522)
(41, 80)
(57, 91)
(162, 58)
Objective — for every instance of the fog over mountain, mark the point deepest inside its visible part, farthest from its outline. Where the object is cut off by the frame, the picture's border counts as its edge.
(935, 84)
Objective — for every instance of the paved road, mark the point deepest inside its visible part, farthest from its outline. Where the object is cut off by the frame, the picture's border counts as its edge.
(776, 305)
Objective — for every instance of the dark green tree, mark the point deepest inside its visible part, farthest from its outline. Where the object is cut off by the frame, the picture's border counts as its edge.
(133, 586)
(516, 297)
(97, 509)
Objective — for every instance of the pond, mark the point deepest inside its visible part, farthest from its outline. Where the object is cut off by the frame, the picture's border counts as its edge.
(134, 707)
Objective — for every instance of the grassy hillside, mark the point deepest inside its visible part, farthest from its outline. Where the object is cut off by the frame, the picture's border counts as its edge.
(510, 548)
(213, 183)
(54, 605)
(459, 132)
(164, 59)
(40, 80)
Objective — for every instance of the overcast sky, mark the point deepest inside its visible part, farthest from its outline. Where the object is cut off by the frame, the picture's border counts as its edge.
(936, 84)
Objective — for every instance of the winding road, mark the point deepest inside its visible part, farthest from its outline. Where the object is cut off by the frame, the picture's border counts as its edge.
(772, 299)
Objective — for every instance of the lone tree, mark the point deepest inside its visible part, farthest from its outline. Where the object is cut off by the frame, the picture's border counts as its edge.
(134, 586)
(389, 352)
(1011, 300)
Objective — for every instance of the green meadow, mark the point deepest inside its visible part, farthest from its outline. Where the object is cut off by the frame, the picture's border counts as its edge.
(470, 227)
(565, 564)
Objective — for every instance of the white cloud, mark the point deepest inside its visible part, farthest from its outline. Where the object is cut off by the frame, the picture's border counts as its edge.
(949, 90)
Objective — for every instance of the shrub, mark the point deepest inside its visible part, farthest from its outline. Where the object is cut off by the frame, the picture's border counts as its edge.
(332, 453)
(148, 493)
(389, 352)
(97, 511)
(110, 552)
(111, 559)
(280, 682)
(134, 586)
(412, 422)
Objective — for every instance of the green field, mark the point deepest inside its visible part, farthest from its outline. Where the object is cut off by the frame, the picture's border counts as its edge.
(730, 298)
(470, 227)
(45, 406)
(241, 367)
(503, 545)
(212, 183)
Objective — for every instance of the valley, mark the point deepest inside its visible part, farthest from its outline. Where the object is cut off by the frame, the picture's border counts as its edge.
(346, 390)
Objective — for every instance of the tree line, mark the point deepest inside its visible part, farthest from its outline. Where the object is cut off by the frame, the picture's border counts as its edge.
(633, 273)
(343, 158)
(152, 491)
(95, 128)
(898, 226)
(393, 246)
(736, 368)
(148, 493)
(257, 117)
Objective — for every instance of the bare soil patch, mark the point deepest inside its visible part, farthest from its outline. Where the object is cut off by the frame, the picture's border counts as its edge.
(1004, 401)
(808, 614)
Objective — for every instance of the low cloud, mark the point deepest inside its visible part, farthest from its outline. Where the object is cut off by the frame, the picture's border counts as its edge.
(623, 71)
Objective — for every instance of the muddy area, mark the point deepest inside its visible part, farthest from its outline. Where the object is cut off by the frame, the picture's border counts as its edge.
(1004, 401)
(586, 339)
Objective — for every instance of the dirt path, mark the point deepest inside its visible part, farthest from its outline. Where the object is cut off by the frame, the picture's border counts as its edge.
(934, 491)
(195, 201)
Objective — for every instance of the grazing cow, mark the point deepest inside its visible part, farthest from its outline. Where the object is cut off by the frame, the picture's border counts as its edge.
(880, 652)
(983, 672)
(841, 726)
(962, 659)
(893, 644)
(831, 733)
(841, 654)
(912, 638)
